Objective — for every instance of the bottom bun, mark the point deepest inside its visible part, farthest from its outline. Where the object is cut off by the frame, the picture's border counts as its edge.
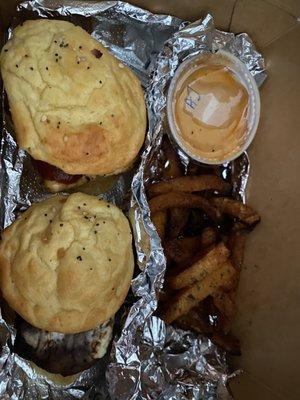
(52, 378)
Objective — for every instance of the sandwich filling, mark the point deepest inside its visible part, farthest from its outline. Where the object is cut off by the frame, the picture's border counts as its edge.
(51, 173)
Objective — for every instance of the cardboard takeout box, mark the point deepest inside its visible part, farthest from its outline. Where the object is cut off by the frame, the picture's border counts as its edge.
(268, 320)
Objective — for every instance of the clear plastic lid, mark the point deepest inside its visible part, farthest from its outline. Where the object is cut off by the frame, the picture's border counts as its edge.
(213, 107)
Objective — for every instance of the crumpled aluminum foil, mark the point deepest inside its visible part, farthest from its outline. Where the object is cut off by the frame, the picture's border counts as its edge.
(149, 360)
(157, 361)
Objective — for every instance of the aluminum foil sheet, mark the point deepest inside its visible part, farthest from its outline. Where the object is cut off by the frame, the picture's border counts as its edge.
(157, 361)
(148, 360)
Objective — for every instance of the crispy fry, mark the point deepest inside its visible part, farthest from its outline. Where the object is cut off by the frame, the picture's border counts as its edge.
(178, 220)
(190, 184)
(239, 226)
(183, 200)
(188, 298)
(159, 220)
(175, 251)
(173, 169)
(236, 244)
(182, 250)
(165, 294)
(226, 306)
(196, 320)
(194, 258)
(208, 236)
(236, 209)
(201, 277)
(224, 303)
(196, 169)
(203, 267)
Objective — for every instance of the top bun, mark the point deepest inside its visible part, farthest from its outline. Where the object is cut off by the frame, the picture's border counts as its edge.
(73, 104)
(66, 263)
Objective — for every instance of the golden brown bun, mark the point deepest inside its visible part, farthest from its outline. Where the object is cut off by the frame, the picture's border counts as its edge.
(73, 104)
(66, 264)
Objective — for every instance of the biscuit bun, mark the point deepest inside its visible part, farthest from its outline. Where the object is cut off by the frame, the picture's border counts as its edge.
(73, 104)
(66, 263)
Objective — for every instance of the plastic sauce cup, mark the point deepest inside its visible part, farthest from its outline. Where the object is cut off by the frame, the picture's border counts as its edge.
(241, 74)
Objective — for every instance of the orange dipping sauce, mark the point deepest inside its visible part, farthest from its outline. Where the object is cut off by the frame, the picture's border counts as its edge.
(210, 111)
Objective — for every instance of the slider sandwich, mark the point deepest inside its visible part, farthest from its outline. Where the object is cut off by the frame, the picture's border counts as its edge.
(66, 266)
(77, 110)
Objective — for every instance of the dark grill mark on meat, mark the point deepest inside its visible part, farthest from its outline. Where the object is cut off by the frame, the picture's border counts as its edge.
(97, 53)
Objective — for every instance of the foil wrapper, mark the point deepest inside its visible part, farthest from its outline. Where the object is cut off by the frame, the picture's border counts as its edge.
(148, 360)
(157, 361)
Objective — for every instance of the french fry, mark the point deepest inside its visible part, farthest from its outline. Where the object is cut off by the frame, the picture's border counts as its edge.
(203, 267)
(196, 169)
(239, 226)
(224, 302)
(236, 209)
(159, 220)
(183, 200)
(165, 294)
(201, 277)
(173, 169)
(188, 298)
(178, 220)
(226, 305)
(190, 184)
(194, 258)
(174, 251)
(208, 237)
(236, 244)
(182, 250)
(196, 320)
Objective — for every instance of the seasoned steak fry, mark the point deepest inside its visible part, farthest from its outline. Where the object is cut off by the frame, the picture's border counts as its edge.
(190, 184)
(236, 244)
(183, 249)
(236, 209)
(178, 220)
(183, 200)
(159, 220)
(224, 301)
(189, 297)
(200, 269)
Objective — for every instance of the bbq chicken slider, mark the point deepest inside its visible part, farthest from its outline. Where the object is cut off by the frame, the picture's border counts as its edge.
(65, 266)
(77, 110)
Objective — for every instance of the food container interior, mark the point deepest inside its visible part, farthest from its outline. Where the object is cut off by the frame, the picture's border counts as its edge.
(268, 322)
